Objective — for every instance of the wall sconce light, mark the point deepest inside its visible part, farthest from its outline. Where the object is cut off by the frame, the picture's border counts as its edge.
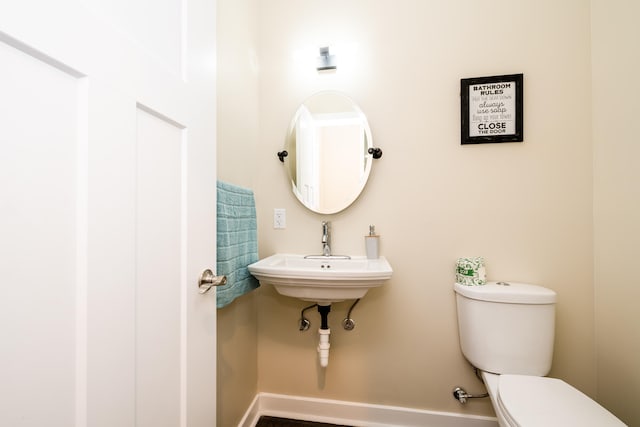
(326, 61)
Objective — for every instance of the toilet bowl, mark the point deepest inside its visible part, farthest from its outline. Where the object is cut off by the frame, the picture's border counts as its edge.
(528, 401)
(506, 331)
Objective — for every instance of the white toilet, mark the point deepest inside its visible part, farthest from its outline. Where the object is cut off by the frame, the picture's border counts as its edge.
(507, 331)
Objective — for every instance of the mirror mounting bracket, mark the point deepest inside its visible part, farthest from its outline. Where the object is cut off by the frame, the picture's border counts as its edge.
(376, 152)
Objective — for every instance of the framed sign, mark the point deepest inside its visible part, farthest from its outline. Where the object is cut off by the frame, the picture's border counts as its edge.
(491, 109)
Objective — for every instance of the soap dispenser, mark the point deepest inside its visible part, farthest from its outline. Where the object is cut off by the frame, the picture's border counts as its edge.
(372, 243)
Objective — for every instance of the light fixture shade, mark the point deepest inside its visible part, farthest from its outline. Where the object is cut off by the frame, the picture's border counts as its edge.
(326, 61)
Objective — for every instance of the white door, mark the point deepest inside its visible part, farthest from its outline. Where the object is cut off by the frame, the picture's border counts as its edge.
(107, 213)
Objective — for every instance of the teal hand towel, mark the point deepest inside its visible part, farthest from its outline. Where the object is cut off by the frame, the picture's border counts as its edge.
(237, 241)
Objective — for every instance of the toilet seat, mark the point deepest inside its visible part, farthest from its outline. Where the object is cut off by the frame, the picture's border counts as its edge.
(528, 401)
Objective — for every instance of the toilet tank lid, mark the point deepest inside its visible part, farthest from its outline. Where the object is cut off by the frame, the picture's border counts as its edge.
(508, 292)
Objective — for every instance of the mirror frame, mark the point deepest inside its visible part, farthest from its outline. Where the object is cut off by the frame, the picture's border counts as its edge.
(290, 153)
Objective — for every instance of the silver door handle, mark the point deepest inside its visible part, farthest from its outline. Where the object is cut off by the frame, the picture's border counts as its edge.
(209, 280)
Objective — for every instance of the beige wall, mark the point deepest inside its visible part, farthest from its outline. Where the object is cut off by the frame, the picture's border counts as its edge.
(616, 67)
(237, 119)
(538, 211)
(526, 207)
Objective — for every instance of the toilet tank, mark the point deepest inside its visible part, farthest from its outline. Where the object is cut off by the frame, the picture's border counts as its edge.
(507, 328)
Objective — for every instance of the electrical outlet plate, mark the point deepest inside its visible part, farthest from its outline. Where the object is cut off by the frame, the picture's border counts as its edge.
(279, 218)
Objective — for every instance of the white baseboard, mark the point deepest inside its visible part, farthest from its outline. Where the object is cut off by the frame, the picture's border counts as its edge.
(356, 414)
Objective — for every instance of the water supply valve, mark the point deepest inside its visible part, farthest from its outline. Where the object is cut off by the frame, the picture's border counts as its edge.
(461, 395)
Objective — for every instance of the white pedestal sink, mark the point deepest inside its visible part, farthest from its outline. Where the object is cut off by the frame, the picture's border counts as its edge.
(323, 280)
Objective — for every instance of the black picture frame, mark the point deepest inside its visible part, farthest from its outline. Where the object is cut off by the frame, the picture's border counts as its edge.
(491, 109)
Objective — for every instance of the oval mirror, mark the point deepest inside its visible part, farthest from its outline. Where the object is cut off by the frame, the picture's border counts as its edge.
(328, 160)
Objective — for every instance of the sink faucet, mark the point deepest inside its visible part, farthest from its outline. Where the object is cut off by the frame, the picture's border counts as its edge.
(326, 238)
(326, 245)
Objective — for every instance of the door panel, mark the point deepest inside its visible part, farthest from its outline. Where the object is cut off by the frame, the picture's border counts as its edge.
(38, 261)
(159, 276)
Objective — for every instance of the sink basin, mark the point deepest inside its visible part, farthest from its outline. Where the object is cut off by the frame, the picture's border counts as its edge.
(321, 279)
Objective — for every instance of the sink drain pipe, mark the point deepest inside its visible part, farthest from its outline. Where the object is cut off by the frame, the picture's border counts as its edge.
(324, 331)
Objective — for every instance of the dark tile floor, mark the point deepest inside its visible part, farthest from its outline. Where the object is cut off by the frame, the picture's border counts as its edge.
(265, 421)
